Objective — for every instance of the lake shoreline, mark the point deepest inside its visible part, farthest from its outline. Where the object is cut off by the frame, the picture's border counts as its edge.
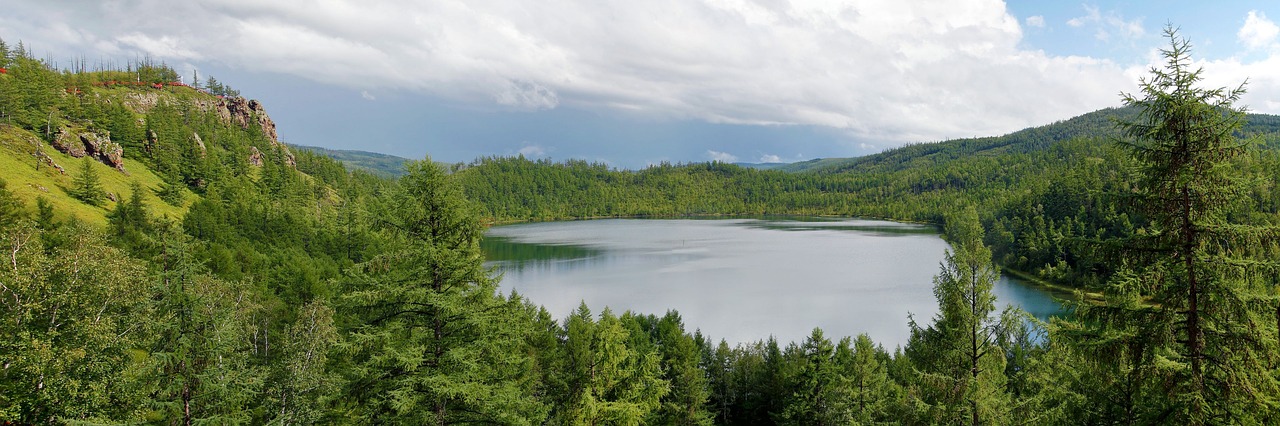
(843, 274)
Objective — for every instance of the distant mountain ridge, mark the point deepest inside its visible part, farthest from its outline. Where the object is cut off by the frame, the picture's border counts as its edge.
(1100, 123)
(376, 163)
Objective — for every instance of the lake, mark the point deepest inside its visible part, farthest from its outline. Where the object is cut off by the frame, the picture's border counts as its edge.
(740, 279)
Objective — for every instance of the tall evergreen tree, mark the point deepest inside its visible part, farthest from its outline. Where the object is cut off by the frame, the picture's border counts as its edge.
(821, 393)
(872, 390)
(5, 55)
(686, 403)
(1194, 306)
(961, 363)
(610, 380)
(428, 340)
(201, 354)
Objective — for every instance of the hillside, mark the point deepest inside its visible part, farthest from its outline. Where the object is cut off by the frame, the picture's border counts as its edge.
(1097, 124)
(137, 126)
(372, 162)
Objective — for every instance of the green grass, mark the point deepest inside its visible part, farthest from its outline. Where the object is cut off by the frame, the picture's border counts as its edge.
(19, 169)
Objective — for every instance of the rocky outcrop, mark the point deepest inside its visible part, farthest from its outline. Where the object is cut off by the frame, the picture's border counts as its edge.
(288, 156)
(244, 112)
(67, 142)
(94, 145)
(255, 157)
(141, 102)
(199, 143)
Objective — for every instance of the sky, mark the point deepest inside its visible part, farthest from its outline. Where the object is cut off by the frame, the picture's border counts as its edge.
(634, 83)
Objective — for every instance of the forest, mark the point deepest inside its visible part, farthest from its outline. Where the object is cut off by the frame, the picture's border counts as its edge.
(205, 273)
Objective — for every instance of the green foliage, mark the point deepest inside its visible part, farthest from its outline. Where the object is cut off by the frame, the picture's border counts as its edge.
(73, 316)
(961, 364)
(1191, 313)
(428, 341)
(202, 357)
(11, 209)
(314, 294)
(821, 393)
(609, 380)
(87, 187)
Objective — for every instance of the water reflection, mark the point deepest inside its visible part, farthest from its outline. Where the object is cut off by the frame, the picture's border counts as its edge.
(739, 279)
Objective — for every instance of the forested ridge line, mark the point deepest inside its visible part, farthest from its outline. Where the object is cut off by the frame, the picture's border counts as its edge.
(234, 281)
(1040, 192)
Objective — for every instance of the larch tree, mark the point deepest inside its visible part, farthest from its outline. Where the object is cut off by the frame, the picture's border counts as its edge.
(960, 361)
(1194, 305)
(428, 340)
(87, 186)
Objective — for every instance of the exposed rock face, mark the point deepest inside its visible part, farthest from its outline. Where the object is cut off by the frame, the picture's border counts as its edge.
(68, 143)
(244, 112)
(153, 142)
(102, 148)
(94, 145)
(199, 143)
(142, 102)
(255, 157)
(288, 156)
(44, 158)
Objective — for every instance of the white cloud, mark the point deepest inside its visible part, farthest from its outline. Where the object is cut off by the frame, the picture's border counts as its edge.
(367, 96)
(532, 151)
(163, 46)
(1258, 32)
(1036, 21)
(886, 71)
(1109, 24)
(770, 158)
(722, 157)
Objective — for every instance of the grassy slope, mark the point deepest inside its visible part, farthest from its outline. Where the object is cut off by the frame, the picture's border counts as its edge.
(18, 166)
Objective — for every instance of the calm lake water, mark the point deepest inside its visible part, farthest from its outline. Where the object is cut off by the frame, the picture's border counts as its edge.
(740, 279)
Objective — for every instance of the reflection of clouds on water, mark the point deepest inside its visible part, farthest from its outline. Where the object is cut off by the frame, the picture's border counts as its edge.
(737, 279)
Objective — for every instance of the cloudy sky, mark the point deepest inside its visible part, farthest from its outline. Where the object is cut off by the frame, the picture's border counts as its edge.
(632, 83)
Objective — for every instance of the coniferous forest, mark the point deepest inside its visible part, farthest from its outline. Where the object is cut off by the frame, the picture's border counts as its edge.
(166, 260)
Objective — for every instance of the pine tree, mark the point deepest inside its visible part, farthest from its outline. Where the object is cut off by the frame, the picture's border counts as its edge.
(44, 215)
(5, 56)
(170, 193)
(686, 403)
(86, 187)
(1193, 310)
